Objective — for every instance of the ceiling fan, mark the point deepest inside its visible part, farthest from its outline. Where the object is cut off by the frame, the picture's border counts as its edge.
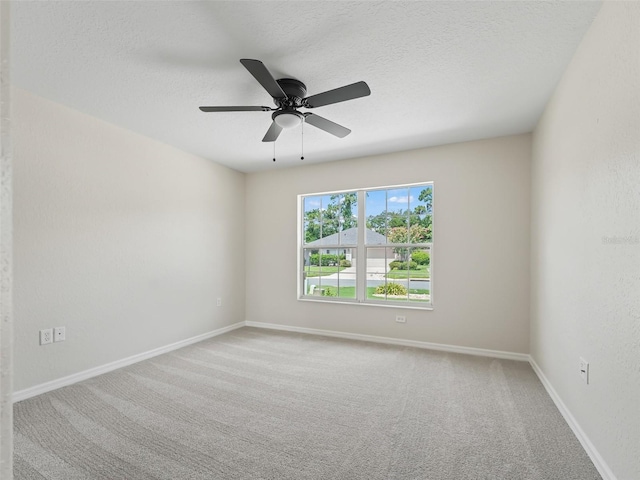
(289, 95)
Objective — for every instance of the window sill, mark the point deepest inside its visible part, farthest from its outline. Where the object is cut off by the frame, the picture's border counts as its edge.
(427, 307)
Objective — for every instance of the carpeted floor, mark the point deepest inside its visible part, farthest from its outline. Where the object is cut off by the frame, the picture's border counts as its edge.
(261, 404)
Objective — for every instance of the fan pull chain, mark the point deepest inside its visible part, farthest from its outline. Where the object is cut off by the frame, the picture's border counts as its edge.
(274, 151)
(302, 141)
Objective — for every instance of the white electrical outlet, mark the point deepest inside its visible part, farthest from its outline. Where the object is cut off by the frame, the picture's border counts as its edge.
(59, 334)
(219, 302)
(584, 370)
(401, 319)
(46, 336)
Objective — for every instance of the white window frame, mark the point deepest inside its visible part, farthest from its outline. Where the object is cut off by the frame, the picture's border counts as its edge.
(361, 252)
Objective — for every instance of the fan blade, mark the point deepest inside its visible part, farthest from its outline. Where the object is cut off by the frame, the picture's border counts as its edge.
(273, 133)
(236, 109)
(262, 75)
(342, 94)
(326, 125)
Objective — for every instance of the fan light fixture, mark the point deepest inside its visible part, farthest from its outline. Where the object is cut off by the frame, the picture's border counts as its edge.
(288, 119)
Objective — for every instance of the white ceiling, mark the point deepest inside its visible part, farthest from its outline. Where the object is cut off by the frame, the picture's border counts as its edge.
(439, 72)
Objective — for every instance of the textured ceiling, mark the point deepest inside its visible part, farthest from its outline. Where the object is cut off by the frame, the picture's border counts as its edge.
(439, 72)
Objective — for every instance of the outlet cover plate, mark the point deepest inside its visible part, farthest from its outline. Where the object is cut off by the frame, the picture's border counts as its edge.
(46, 336)
(401, 319)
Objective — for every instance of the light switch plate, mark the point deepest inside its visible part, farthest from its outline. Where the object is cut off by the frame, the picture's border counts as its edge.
(584, 370)
(59, 334)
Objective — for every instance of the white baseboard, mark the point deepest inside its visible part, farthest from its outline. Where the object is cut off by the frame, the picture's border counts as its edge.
(523, 357)
(93, 372)
(594, 455)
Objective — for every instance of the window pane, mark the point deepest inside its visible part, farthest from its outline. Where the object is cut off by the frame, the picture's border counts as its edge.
(346, 276)
(376, 214)
(329, 275)
(312, 219)
(421, 207)
(348, 215)
(418, 273)
(398, 215)
(398, 200)
(378, 286)
(313, 271)
(329, 219)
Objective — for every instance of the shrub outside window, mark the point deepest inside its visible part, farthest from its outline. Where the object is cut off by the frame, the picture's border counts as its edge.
(371, 246)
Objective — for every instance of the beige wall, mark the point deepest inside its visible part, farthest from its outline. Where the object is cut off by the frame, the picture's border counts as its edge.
(6, 242)
(481, 244)
(125, 241)
(586, 195)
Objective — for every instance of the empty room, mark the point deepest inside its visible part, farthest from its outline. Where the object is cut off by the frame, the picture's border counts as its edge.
(317, 240)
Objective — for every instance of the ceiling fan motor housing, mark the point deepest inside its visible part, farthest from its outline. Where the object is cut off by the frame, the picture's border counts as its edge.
(296, 91)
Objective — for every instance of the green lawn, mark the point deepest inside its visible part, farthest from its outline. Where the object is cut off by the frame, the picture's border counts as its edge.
(421, 272)
(414, 291)
(345, 292)
(420, 291)
(350, 292)
(315, 271)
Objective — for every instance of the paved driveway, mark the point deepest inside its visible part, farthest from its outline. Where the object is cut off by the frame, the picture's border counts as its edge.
(376, 269)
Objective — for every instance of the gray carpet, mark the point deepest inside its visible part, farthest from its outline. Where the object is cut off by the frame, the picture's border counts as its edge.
(260, 404)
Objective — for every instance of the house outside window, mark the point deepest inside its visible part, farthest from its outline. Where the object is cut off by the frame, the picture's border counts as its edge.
(371, 246)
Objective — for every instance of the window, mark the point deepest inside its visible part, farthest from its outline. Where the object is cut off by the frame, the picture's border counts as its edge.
(371, 246)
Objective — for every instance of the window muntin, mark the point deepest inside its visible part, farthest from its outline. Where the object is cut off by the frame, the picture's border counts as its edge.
(392, 231)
